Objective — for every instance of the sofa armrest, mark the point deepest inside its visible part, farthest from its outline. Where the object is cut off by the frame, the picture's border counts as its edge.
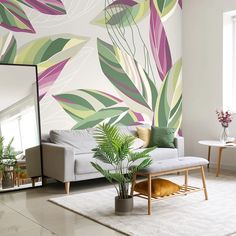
(58, 162)
(179, 144)
(33, 161)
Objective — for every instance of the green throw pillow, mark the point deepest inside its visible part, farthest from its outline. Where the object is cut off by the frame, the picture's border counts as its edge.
(162, 137)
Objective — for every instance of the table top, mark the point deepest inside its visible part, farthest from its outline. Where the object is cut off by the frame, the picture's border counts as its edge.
(216, 143)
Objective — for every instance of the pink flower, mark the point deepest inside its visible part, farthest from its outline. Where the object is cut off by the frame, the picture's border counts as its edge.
(224, 117)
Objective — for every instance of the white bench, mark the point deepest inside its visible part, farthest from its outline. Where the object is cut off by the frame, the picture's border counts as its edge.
(183, 164)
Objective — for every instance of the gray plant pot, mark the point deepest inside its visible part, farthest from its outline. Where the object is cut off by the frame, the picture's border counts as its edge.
(123, 206)
(8, 177)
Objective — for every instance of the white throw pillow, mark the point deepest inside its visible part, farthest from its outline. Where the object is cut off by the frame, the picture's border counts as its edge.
(138, 143)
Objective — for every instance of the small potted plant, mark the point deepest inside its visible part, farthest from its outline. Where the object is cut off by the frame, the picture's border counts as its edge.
(7, 163)
(115, 149)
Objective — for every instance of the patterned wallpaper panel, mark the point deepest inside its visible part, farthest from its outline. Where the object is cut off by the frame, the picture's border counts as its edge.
(116, 61)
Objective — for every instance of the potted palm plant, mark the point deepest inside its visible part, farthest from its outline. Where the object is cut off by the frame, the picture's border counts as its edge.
(115, 149)
(7, 163)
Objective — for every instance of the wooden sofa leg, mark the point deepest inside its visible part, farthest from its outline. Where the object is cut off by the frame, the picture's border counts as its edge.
(67, 187)
(204, 182)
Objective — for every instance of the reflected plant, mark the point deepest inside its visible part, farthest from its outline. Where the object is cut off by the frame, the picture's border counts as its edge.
(7, 154)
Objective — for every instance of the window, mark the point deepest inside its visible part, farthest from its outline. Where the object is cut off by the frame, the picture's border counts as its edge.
(229, 61)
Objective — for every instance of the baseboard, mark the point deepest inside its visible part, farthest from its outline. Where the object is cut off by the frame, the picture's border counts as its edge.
(223, 167)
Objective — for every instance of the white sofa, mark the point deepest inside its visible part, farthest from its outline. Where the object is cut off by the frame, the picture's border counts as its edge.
(67, 156)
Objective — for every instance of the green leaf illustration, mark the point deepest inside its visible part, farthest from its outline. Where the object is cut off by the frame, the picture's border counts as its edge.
(50, 54)
(127, 118)
(164, 6)
(82, 103)
(168, 112)
(90, 107)
(13, 17)
(130, 80)
(122, 13)
(7, 48)
(100, 116)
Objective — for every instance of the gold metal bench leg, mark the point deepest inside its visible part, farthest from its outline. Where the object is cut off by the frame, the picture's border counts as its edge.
(204, 182)
(149, 194)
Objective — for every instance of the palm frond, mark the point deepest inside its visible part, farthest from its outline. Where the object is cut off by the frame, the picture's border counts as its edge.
(103, 156)
(9, 151)
(118, 177)
(144, 164)
(134, 156)
(1, 146)
(105, 173)
(115, 148)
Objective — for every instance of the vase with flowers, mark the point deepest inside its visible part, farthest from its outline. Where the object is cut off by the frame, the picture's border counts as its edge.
(224, 118)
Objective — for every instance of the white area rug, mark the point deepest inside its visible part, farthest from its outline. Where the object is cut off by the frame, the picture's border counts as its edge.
(181, 216)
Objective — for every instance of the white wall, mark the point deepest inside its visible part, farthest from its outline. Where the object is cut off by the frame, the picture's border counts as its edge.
(202, 75)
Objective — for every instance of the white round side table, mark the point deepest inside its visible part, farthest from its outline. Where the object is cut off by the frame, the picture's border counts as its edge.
(220, 146)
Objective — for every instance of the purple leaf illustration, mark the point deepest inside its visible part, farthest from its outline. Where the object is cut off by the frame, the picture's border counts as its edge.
(159, 43)
(13, 17)
(50, 7)
(180, 4)
(49, 76)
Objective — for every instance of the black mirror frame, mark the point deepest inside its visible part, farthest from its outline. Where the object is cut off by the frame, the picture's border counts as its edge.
(39, 123)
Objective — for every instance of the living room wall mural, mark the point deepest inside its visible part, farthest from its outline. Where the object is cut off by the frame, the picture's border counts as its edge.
(116, 61)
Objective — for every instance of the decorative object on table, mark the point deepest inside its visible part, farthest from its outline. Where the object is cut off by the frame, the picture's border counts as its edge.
(224, 118)
(115, 148)
(8, 163)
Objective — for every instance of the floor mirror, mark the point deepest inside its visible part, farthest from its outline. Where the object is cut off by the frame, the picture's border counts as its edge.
(20, 149)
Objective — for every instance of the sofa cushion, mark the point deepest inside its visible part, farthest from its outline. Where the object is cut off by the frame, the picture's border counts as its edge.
(83, 165)
(175, 164)
(128, 130)
(138, 143)
(81, 140)
(144, 134)
(162, 137)
(161, 153)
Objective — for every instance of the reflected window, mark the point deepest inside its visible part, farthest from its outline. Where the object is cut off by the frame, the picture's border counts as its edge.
(24, 128)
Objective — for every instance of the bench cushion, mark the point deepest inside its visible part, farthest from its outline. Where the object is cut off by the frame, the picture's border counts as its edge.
(174, 164)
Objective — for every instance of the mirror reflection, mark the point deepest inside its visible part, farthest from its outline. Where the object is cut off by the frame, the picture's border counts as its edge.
(19, 127)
